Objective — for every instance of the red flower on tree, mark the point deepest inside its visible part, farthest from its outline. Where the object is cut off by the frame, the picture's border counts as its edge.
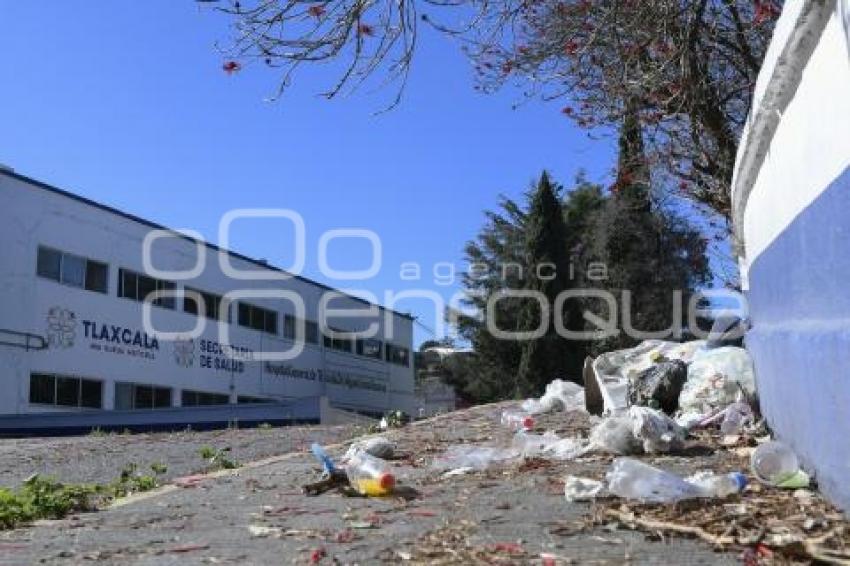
(365, 29)
(316, 10)
(231, 67)
(765, 10)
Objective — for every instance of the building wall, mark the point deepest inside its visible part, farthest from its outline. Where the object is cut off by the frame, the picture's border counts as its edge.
(32, 215)
(797, 239)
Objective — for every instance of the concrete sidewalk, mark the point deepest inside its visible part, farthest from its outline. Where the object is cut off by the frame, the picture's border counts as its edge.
(258, 515)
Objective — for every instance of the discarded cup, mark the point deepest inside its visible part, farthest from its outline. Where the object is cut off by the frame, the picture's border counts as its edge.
(774, 463)
(517, 421)
(370, 476)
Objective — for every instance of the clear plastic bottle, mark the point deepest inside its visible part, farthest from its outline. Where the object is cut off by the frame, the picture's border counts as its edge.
(718, 485)
(633, 479)
(517, 421)
(775, 463)
(370, 476)
(735, 416)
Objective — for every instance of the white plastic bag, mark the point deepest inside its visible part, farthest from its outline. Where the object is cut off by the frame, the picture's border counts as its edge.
(615, 370)
(477, 458)
(378, 446)
(717, 378)
(614, 436)
(560, 395)
(656, 431)
(582, 489)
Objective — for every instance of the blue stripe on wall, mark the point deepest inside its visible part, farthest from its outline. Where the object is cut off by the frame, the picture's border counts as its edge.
(800, 342)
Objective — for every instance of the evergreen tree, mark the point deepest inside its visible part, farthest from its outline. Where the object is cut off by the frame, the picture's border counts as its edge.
(649, 251)
(547, 264)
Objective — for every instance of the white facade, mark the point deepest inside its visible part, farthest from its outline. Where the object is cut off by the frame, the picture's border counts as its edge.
(792, 203)
(98, 336)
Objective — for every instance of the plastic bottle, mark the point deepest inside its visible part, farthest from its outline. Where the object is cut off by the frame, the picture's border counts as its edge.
(517, 421)
(734, 418)
(370, 476)
(774, 463)
(633, 479)
(718, 485)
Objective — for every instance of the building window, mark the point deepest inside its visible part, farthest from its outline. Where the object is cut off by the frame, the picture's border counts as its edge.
(338, 343)
(132, 396)
(64, 391)
(245, 400)
(211, 303)
(370, 348)
(398, 355)
(257, 318)
(72, 270)
(311, 332)
(290, 328)
(135, 286)
(200, 398)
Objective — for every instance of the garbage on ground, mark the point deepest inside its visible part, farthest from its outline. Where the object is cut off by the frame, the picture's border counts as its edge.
(560, 395)
(775, 464)
(516, 420)
(548, 445)
(614, 371)
(717, 378)
(659, 386)
(656, 431)
(640, 430)
(735, 417)
(368, 475)
(614, 435)
(377, 446)
(632, 479)
(332, 477)
(476, 458)
(582, 489)
(323, 458)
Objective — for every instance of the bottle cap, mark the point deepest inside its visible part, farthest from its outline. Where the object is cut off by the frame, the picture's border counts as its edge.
(740, 479)
(386, 481)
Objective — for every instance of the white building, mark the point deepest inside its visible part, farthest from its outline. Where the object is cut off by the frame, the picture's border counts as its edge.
(73, 336)
(791, 198)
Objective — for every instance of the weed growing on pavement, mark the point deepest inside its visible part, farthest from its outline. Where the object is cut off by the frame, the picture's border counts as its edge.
(43, 498)
(217, 458)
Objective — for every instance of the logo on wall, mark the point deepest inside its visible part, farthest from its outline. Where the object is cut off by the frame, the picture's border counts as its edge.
(61, 327)
(184, 353)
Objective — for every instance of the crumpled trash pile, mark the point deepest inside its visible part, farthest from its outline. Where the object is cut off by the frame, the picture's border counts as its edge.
(654, 396)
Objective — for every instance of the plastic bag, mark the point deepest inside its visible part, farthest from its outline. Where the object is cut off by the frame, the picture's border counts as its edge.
(614, 371)
(379, 447)
(548, 445)
(717, 378)
(614, 435)
(659, 386)
(476, 458)
(582, 489)
(560, 395)
(656, 431)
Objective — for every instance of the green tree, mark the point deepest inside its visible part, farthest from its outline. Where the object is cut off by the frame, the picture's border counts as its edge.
(651, 253)
(547, 263)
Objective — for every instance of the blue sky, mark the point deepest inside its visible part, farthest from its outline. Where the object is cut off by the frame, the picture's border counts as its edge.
(126, 103)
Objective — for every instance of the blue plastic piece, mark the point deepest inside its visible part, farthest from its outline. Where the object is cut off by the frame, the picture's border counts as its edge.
(322, 456)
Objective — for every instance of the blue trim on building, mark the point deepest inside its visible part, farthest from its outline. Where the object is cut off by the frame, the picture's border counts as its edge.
(800, 342)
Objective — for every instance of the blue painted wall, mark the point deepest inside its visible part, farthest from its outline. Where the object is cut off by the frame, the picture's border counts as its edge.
(800, 342)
